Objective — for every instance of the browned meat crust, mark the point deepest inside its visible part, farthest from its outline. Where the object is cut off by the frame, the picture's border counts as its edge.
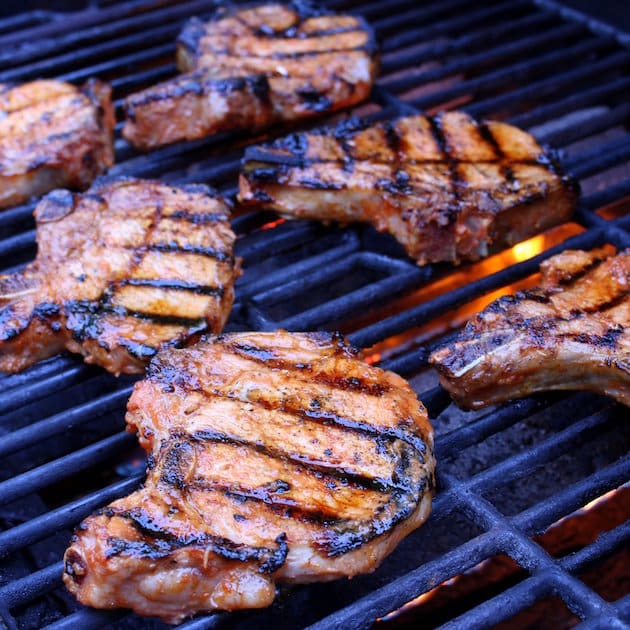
(272, 456)
(122, 270)
(447, 187)
(250, 68)
(53, 134)
(573, 332)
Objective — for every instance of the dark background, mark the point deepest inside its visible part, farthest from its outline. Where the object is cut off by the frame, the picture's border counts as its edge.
(614, 12)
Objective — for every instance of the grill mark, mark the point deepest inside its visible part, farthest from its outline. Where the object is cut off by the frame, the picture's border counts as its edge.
(435, 125)
(572, 279)
(608, 340)
(166, 542)
(44, 311)
(267, 357)
(258, 154)
(286, 509)
(197, 84)
(94, 311)
(486, 134)
(173, 285)
(48, 100)
(302, 463)
(357, 532)
(400, 185)
(142, 351)
(605, 306)
(540, 328)
(315, 414)
(198, 218)
(176, 248)
(10, 332)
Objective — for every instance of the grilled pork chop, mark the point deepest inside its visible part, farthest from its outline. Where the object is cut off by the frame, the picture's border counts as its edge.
(121, 270)
(447, 188)
(250, 68)
(272, 457)
(53, 134)
(573, 332)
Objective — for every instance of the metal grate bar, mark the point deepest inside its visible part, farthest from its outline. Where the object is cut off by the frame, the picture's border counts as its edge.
(154, 37)
(391, 24)
(505, 605)
(489, 424)
(605, 544)
(63, 467)
(477, 41)
(415, 316)
(41, 527)
(132, 59)
(548, 87)
(80, 20)
(20, 396)
(495, 56)
(64, 421)
(26, 589)
(603, 157)
(86, 39)
(598, 94)
(408, 37)
(595, 124)
(537, 518)
(87, 618)
(518, 465)
(438, 50)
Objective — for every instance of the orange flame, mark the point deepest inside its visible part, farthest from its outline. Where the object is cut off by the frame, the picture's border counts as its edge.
(458, 277)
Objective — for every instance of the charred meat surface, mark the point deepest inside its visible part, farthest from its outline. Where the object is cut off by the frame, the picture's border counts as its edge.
(53, 134)
(121, 270)
(448, 188)
(272, 457)
(249, 68)
(572, 332)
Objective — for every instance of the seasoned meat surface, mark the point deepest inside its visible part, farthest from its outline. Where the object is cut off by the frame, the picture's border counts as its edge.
(572, 332)
(122, 270)
(53, 134)
(272, 457)
(249, 68)
(447, 188)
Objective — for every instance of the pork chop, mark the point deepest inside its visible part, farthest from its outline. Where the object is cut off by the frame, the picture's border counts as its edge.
(573, 332)
(447, 187)
(249, 68)
(53, 134)
(122, 270)
(272, 457)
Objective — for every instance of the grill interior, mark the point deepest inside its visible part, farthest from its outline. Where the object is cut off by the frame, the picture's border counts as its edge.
(504, 474)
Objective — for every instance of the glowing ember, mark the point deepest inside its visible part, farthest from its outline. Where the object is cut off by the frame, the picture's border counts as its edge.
(424, 597)
(272, 224)
(568, 534)
(528, 249)
(591, 505)
(372, 358)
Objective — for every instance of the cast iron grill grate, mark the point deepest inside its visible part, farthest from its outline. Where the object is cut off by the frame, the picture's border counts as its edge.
(62, 444)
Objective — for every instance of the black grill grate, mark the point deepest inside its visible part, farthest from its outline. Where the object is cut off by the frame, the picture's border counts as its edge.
(62, 442)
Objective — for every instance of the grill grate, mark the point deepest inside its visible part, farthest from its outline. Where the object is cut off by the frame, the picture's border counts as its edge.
(564, 78)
